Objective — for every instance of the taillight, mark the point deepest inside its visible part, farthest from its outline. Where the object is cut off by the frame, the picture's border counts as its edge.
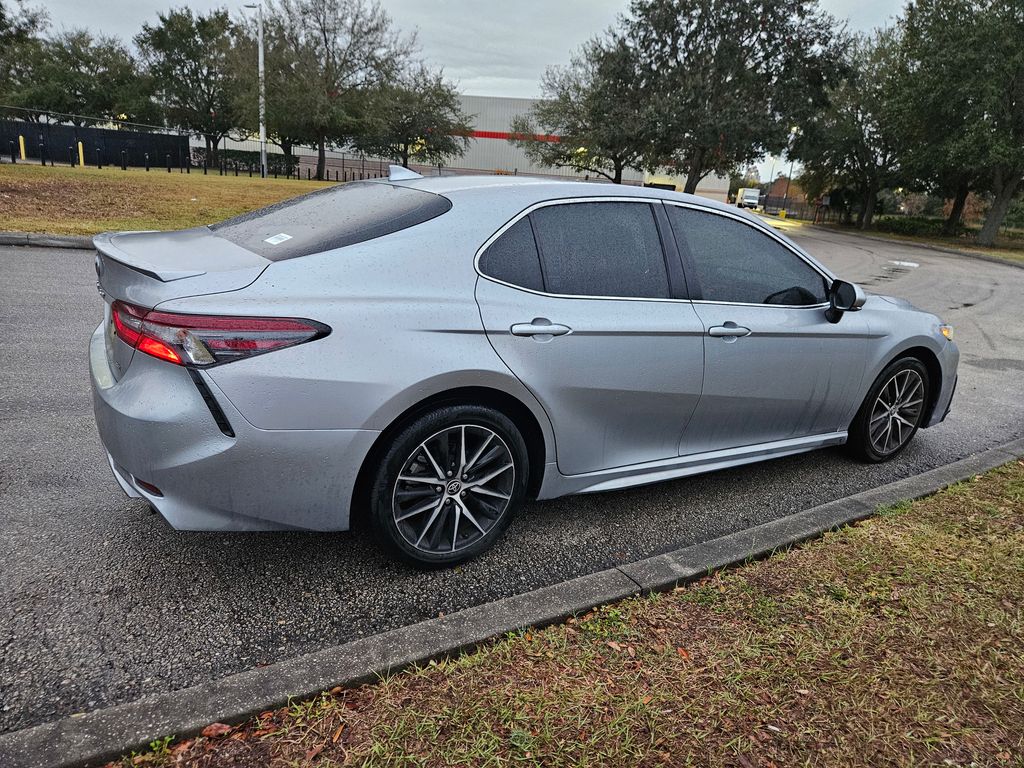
(201, 340)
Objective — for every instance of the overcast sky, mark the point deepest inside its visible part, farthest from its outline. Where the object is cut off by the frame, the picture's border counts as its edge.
(490, 49)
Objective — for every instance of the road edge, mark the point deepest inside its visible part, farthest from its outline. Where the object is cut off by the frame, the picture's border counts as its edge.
(42, 240)
(915, 244)
(103, 735)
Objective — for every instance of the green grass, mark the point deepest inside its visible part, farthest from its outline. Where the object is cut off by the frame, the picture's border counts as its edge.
(897, 641)
(85, 201)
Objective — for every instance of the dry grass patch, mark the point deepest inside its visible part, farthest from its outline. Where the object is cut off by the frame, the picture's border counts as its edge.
(85, 201)
(898, 641)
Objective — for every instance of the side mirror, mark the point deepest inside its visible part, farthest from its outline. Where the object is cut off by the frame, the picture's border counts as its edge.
(843, 297)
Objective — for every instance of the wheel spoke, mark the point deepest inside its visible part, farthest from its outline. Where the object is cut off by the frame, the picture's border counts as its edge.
(434, 464)
(480, 450)
(469, 516)
(430, 522)
(458, 513)
(414, 479)
(462, 453)
(486, 492)
(418, 510)
(487, 478)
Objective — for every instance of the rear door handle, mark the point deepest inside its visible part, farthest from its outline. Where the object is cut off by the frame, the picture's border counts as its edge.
(540, 326)
(729, 330)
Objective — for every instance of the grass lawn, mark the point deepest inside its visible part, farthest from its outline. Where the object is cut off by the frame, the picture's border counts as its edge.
(897, 641)
(84, 201)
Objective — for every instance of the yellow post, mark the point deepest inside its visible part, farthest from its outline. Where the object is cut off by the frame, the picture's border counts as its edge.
(81, 156)
(21, 146)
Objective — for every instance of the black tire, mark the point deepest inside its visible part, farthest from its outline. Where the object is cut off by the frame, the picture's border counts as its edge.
(461, 499)
(867, 440)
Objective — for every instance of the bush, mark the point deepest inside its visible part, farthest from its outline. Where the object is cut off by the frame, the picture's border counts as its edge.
(918, 226)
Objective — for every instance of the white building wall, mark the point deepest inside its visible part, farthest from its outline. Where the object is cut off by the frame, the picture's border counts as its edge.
(490, 151)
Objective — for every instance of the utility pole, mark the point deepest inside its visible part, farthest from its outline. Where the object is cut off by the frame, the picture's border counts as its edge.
(263, 96)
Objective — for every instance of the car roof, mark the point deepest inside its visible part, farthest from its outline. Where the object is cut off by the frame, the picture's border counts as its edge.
(540, 188)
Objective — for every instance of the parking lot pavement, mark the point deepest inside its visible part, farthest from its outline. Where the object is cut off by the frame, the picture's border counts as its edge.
(103, 603)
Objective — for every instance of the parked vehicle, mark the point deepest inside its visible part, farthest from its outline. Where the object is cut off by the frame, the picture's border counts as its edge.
(748, 197)
(431, 352)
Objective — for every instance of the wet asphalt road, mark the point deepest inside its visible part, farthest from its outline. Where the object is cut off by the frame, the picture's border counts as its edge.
(104, 603)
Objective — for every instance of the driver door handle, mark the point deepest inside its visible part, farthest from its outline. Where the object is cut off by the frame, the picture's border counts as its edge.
(540, 327)
(729, 330)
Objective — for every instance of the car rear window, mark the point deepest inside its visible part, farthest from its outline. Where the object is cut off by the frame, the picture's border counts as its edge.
(331, 218)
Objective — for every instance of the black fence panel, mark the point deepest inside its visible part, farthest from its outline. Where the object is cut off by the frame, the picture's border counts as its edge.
(49, 142)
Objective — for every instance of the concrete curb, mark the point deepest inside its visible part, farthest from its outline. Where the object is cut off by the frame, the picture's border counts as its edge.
(79, 242)
(105, 734)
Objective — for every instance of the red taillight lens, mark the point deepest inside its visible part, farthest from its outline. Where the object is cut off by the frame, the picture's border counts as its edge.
(202, 340)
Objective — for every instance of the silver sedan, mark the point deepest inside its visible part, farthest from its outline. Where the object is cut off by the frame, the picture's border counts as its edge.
(426, 354)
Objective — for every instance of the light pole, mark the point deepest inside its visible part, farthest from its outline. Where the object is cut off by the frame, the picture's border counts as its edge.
(263, 98)
(793, 133)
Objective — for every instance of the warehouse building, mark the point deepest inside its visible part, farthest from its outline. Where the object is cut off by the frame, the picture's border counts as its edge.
(490, 151)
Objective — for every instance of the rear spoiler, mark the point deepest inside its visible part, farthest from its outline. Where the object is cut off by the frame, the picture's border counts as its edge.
(104, 243)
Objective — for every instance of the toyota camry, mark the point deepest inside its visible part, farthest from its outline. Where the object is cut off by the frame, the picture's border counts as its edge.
(426, 354)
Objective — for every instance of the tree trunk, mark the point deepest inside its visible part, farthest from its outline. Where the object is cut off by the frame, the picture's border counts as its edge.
(321, 158)
(868, 210)
(212, 142)
(286, 148)
(617, 171)
(405, 155)
(957, 212)
(1004, 196)
(696, 172)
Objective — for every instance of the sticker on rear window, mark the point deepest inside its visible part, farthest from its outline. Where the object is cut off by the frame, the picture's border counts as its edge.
(278, 239)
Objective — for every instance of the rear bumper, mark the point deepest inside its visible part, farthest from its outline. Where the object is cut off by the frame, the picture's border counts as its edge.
(157, 429)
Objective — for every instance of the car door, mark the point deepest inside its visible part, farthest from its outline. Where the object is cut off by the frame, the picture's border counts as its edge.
(774, 367)
(579, 301)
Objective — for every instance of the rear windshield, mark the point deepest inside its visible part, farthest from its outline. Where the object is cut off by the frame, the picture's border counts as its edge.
(331, 218)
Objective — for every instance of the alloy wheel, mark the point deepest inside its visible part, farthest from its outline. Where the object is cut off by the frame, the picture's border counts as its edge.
(453, 489)
(896, 412)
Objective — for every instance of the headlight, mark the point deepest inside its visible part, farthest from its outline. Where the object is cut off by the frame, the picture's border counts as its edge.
(946, 330)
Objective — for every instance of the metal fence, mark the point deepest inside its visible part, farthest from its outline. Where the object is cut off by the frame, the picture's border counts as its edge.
(53, 139)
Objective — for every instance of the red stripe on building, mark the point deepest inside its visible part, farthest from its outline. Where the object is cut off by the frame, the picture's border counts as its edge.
(507, 136)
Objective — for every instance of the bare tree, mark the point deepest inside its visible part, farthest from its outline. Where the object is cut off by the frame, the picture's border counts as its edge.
(339, 49)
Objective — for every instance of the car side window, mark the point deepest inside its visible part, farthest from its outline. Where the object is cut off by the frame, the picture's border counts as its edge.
(513, 257)
(601, 249)
(736, 263)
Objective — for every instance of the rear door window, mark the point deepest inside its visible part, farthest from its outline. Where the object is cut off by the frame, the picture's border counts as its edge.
(513, 257)
(331, 218)
(601, 249)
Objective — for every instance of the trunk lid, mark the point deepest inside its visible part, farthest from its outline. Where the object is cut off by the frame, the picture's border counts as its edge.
(147, 268)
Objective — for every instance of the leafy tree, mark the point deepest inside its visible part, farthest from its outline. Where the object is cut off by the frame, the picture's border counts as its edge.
(850, 142)
(960, 101)
(82, 76)
(726, 79)
(1000, 107)
(338, 49)
(417, 117)
(21, 28)
(588, 117)
(187, 56)
(933, 88)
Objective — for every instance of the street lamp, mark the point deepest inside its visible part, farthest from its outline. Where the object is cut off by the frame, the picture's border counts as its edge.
(793, 133)
(263, 98)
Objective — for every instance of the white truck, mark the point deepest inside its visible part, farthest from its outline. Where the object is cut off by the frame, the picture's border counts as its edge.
(748, 197)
